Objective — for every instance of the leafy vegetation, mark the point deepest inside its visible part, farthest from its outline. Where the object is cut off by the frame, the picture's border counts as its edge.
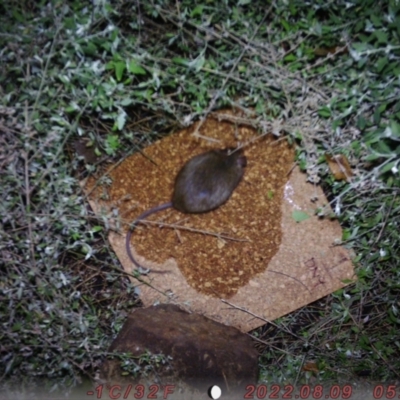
(82, 82)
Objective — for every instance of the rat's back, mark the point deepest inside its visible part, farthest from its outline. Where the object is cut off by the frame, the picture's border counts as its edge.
(207, 181)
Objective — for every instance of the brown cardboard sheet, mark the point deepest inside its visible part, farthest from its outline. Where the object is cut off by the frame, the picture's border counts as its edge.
(245, 263)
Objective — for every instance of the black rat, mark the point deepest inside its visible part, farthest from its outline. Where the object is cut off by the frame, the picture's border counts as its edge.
(204, 183)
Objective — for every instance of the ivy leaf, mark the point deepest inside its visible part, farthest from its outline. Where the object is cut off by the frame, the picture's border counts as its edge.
(382, 37)
(388, 167)
(394, 130)
(197, 64)
(121, 119)
(136, 68)
(181, 61)
(324, 112)
(381, 64)
(299, 216)
(119, 68)
(198, 10)
(113, 143)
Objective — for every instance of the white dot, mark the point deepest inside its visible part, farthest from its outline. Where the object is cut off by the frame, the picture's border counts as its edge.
(215, 392)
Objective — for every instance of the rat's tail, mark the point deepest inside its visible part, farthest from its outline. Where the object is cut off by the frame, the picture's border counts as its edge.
(132, 228)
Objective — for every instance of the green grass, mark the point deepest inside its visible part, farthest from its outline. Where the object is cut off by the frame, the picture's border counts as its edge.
(116, 76)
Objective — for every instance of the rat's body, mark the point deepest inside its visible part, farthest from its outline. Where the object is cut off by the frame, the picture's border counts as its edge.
(204, 183)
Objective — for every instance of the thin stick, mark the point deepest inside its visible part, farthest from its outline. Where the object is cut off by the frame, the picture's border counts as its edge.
(383, 359)
(185, 228)
(28, 208)
(137, 276)
(288, 276)
(386, 220)
(263, 319)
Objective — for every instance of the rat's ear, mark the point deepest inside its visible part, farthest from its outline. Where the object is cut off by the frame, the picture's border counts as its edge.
(227, 151)
(243, 160)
